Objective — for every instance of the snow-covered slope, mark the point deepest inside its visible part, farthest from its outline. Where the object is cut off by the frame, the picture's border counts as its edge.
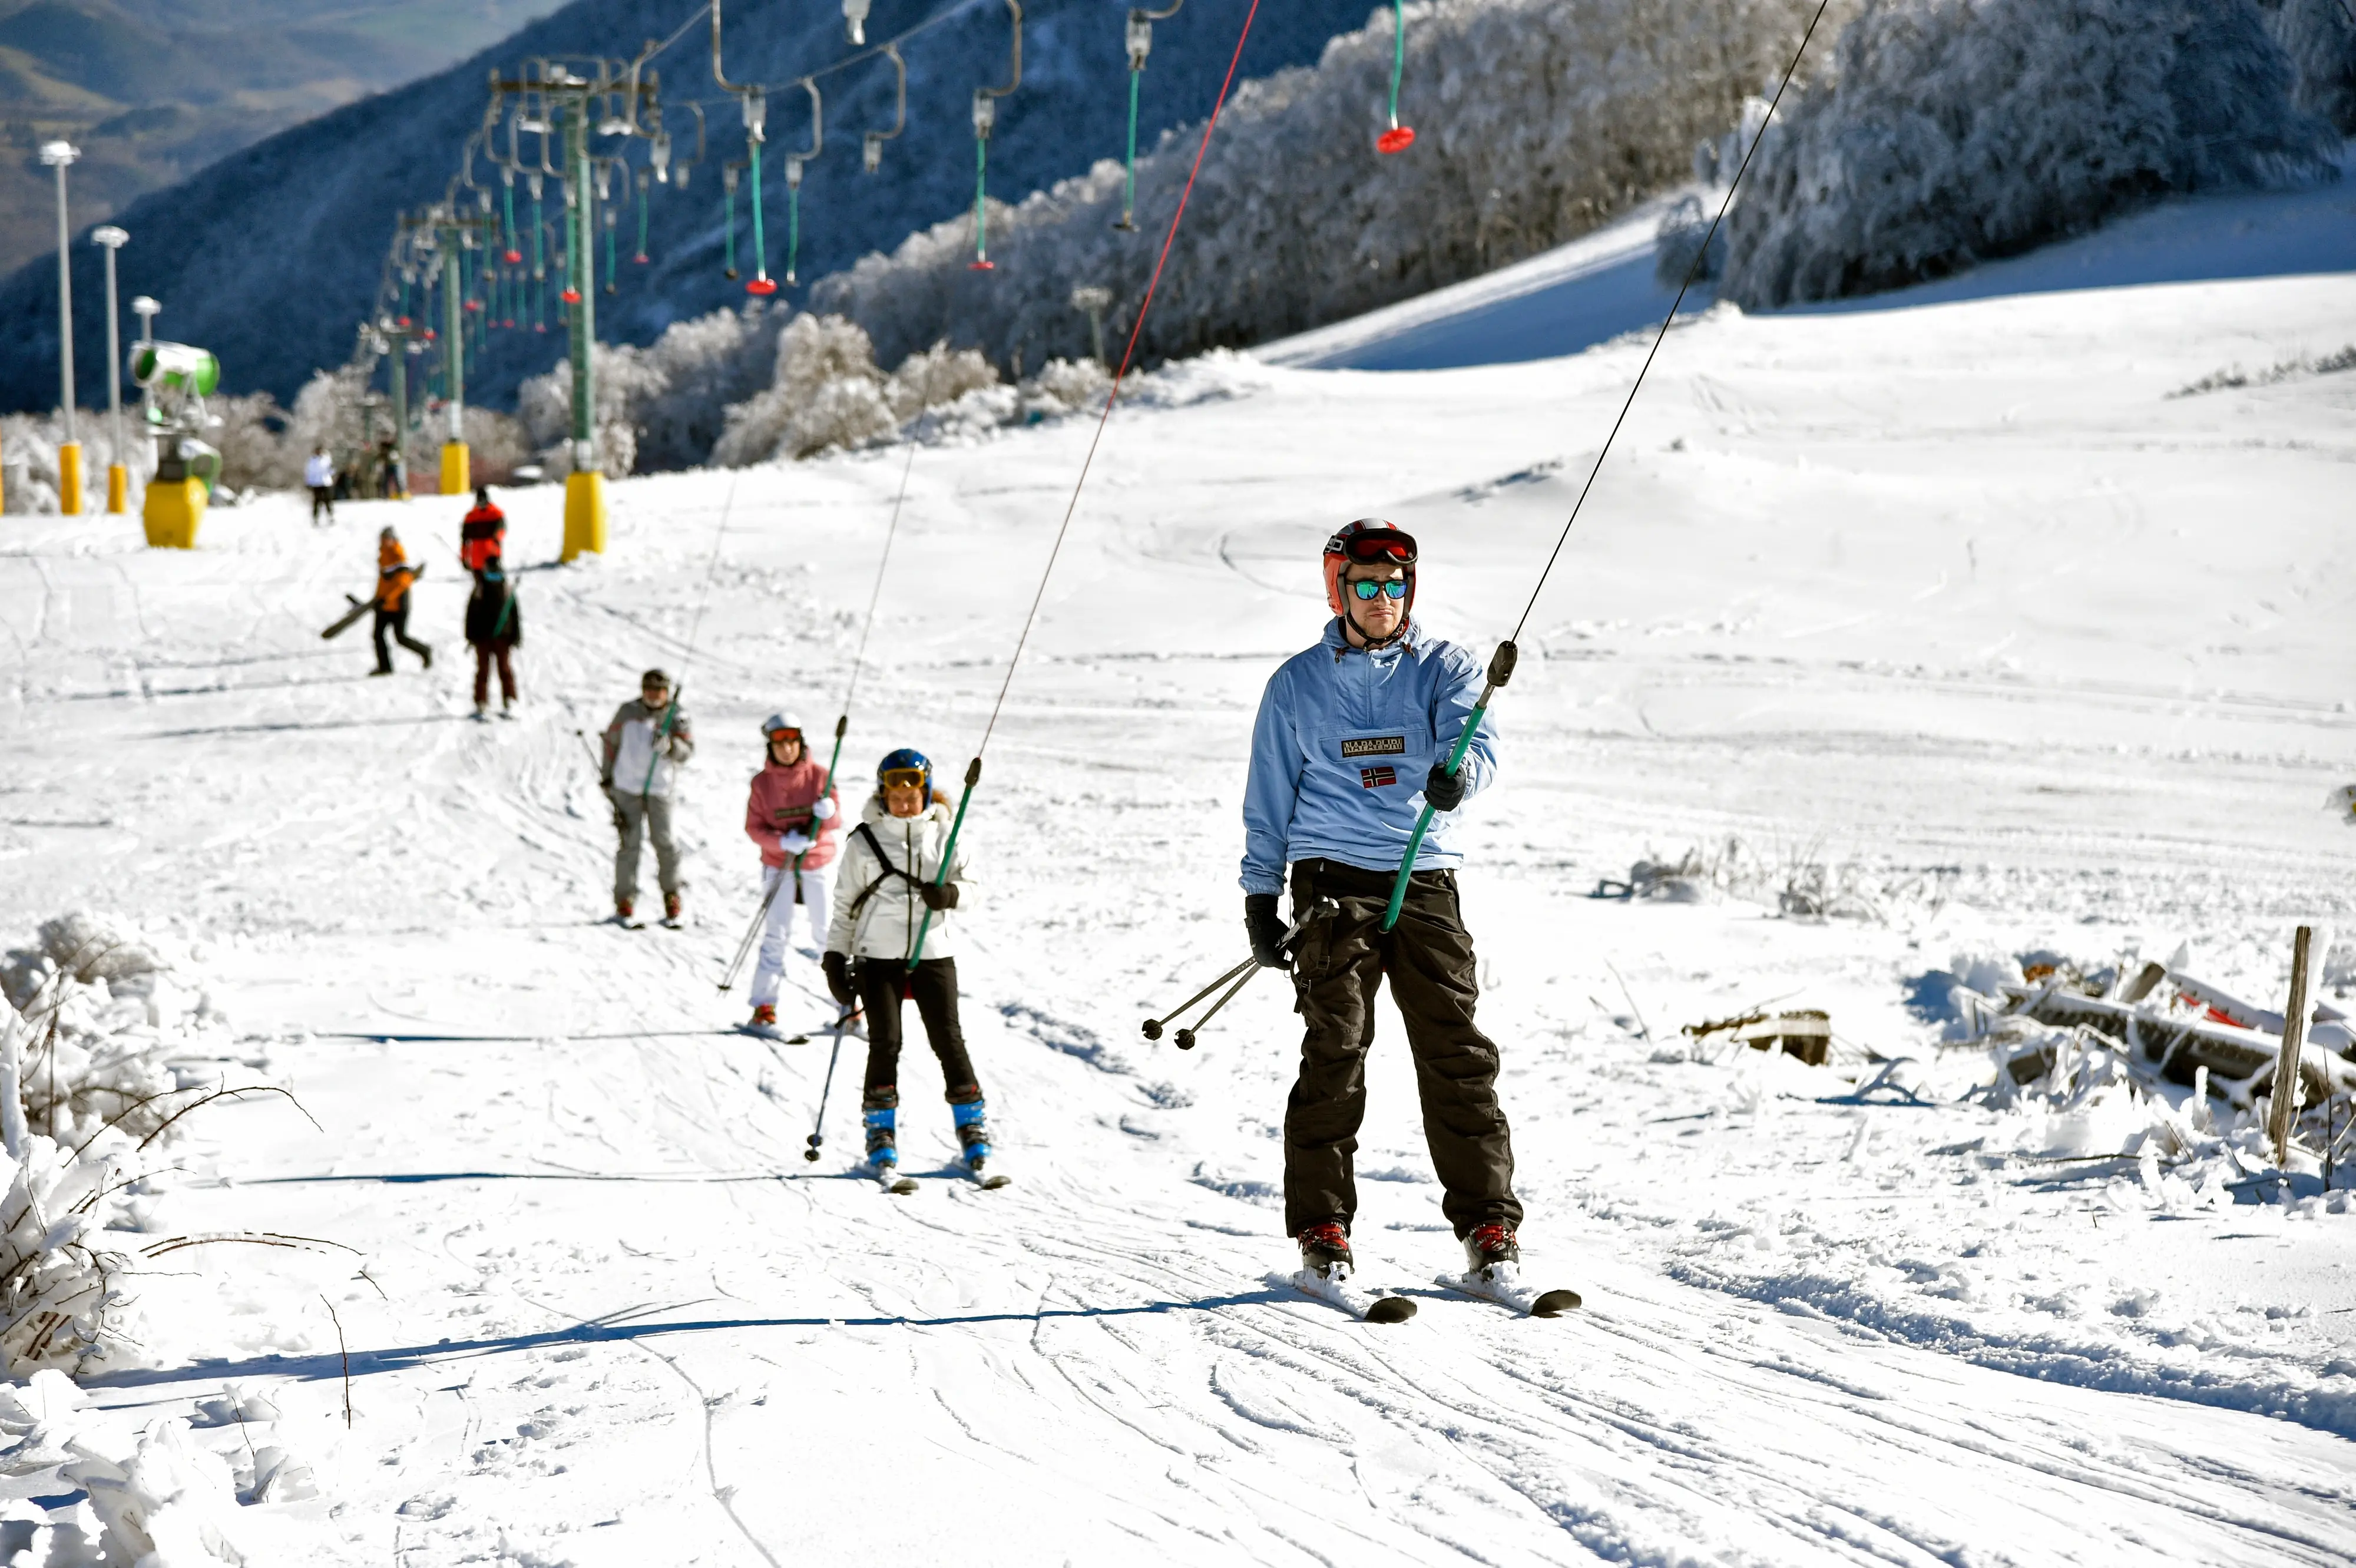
(1956, 596)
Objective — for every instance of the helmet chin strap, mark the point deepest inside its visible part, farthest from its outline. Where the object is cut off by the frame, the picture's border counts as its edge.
(1367, 639)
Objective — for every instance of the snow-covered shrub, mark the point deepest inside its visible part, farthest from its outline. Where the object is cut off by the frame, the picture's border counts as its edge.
(619, 379)
(29, 453)
(1685, 228)
(937, 377)
(827, 393)
(699, 367)
(156, 1498)
(2319, 37)
(1950, 132)
(1536, 120)
(253, 456)
(1067, 386)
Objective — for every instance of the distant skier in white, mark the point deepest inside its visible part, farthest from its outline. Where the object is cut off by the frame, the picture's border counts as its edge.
(647, 741)
(320, 474)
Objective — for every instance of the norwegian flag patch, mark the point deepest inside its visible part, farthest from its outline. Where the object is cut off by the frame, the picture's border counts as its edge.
(1376, 778)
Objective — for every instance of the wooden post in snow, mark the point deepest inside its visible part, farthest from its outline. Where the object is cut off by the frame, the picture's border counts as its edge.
(2293, 1036)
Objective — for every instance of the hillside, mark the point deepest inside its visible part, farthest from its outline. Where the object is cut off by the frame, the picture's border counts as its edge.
(153, 92)
(279, 245)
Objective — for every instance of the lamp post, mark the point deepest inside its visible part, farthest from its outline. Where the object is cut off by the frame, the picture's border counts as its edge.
(118, 477)
(58, 155)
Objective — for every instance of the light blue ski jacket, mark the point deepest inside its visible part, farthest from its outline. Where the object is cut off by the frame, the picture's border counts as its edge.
(1343, 740)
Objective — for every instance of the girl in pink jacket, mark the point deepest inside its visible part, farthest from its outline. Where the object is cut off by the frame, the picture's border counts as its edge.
(791, 815)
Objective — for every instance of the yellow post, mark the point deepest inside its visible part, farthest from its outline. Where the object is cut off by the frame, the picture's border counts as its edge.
(585, 514)
(69, 478)
(456, 480)
(174, 508)
(118, 488)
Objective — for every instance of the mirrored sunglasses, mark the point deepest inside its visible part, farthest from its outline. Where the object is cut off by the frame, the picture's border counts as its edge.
(1367, 587)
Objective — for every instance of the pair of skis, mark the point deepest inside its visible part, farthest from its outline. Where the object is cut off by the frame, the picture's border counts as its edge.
(1500, 1282)
(889, 1179)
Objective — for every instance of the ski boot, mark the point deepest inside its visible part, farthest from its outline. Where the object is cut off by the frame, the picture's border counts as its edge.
(671, 910)
(1486, 1247)
(765, 1018)
(1325, 1251)
(625, 911)
(883, 1150)
(973, 1142)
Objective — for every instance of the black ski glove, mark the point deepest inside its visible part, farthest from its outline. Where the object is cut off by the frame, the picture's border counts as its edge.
(1266, 929)
(938, 896)
(838, 978)
(1444, 790)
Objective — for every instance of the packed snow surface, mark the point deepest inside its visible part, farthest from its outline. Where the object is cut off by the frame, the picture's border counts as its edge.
(1955, 602)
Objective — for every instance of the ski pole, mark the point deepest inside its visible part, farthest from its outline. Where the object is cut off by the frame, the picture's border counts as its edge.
(948, 852)
(1153, 1025)
(1501, 670)
(760, 918)
(1184, 1038)
(818, 1128)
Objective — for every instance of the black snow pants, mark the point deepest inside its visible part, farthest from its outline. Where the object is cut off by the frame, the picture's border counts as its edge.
(882, 982)
(1341, 958)
(396, 622)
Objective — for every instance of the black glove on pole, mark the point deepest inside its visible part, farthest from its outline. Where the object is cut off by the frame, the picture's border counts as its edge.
(937, 895)
(1444, 790)
(838, 978)
(1266, 929)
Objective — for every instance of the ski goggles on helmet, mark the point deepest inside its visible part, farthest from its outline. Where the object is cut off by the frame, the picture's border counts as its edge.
(1366, 588)
(788, 734)
(902, 778)
(1370, 541)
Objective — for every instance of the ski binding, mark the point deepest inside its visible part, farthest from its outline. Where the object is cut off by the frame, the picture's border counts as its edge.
(1334, 1288)
(989, 1182)
(888, 1177)
(1502, 1282)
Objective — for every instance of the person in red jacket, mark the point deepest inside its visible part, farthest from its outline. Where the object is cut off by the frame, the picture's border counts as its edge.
(483, 532)
(791, 816)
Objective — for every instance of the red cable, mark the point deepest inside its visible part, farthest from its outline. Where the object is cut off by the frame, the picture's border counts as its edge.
(1127, 354)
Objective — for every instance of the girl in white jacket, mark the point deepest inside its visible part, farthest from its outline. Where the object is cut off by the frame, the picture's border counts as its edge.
(890, 940)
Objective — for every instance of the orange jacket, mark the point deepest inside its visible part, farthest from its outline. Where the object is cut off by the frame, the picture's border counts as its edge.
(482, 536)
(394, 576)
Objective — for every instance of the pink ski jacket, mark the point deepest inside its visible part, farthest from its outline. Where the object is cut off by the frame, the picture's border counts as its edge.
(780, 803)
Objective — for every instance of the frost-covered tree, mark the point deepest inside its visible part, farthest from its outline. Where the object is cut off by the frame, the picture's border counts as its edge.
(826, 394)
(2319, 37)
(1536, 120)
(1950, 132)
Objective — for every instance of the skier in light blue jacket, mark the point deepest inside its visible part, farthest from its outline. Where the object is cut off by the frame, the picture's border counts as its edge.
(1353, 737)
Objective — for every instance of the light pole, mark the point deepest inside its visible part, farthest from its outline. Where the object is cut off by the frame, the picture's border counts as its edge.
(58, 155)
(118, 477)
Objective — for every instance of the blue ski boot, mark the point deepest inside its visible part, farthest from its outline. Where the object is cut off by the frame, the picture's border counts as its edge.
(973, 1141)
(884, 1151)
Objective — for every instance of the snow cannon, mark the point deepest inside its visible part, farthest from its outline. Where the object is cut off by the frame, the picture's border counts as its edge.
(174, 380)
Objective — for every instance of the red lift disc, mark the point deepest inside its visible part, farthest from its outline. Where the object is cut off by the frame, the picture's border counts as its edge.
(762, 285)
(1398, 139)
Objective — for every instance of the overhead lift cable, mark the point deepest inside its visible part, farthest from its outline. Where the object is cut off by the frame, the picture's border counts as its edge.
(1112, 398)
(1501, 663)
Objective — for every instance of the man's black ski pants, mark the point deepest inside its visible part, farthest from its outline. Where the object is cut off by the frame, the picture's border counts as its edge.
(1343, 956)
(881, 982)
(396, 623)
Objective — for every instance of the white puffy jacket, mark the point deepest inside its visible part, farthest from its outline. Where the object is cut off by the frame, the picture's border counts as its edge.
(876, 914)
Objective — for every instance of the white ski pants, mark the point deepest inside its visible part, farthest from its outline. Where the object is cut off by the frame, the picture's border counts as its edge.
(769, 969)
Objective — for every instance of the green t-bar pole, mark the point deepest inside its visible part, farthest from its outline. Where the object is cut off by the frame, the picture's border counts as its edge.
(1501, 670)
(949, 853)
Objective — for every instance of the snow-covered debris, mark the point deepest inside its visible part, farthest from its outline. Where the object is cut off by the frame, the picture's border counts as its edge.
(156, 1498)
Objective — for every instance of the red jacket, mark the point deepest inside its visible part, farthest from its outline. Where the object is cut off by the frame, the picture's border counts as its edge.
(482, 536)
(781, 799)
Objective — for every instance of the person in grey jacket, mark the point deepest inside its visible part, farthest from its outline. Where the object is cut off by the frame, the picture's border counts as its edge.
(646, 744)
(1353, 735)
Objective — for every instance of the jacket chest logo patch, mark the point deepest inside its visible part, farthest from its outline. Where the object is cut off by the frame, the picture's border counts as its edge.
(1374, 745)
(1376, 778)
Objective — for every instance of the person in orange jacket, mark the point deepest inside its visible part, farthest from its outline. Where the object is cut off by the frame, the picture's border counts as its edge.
(393, 576)
(483, 533)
